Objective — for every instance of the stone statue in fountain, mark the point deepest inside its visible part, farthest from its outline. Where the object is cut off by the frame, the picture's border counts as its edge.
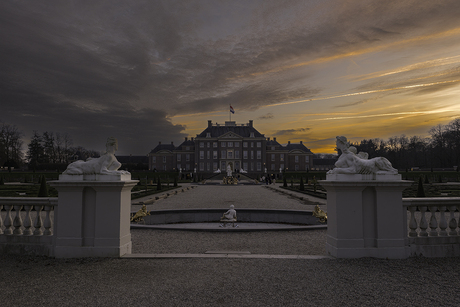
(351, 162)
(229, 217)
(229, 171)
(107, 164)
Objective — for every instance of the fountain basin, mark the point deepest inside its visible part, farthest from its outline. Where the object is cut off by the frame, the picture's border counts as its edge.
(248, 220)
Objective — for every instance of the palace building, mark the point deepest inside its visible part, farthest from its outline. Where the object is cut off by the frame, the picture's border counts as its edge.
(239, 146)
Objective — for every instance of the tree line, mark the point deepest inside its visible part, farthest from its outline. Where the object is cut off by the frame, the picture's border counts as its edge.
(440, 150)
(48, 150)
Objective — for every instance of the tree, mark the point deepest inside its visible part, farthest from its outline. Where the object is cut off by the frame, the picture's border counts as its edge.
(10, 146)
(301, 186)
(35, 151)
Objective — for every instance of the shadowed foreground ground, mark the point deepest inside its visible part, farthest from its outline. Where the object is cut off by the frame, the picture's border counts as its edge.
(36, 281)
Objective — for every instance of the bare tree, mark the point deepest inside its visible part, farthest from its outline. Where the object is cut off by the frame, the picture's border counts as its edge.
(10, 145)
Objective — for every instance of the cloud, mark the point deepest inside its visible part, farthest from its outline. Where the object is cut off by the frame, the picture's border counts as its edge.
(266, 116)
(291, 131)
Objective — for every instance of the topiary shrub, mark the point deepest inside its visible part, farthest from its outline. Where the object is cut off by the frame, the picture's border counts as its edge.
(284, 182)
(158, 184)
(420, 189)
(43, 192)
(301, 186)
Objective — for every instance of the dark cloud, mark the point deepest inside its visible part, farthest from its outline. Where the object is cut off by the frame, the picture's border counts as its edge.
(122, 68)
(290, 131)
(267, 116)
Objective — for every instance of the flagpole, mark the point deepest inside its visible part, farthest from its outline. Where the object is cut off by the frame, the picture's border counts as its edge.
(230, 112)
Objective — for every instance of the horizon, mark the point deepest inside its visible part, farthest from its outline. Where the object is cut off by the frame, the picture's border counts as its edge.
(150, 71)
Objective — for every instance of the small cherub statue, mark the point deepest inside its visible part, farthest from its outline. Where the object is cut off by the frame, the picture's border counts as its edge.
(320, 214)
(139, 216)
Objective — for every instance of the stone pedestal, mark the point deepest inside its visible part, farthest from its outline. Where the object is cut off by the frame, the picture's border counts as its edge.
(365, 216)
(93, 215)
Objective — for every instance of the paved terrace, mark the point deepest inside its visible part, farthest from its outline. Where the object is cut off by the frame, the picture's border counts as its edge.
(287, 268)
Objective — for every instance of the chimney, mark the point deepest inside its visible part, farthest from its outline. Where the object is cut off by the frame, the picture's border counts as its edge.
(250, 123)
(209, 124)
(172, 143)
(191, 139)
(300, 142)
(186, 139)
(274, 139)
(268, 139)
(289, 142)
(159, 143)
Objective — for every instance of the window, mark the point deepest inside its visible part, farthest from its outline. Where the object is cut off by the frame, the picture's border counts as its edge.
(273, 167)
(259, 144)
(273, 157)
(237, 154)
(208, 134)
(208, 144)
(178, 157)
(252, 144)
(187, 167)
(252, 154)
(164, 159)
(214, 166)
(259, 154)
(201, 144)
(307, 159)
(187, 147)
(230, 154)
(281, 157)
(154, 159)
(259, 166)
(179, 166)
(222, 144)
(208, 166)
(296, 159)
(201, 154)
(245, 144)
(223, 154)
(282, 166)
(252, 166)
(164, 167)
(273, 147)
(208, 155)
(245, 154)
(214, 144)
(251, 134)
(222, 166)
(237, 144)
(230, 144)
(187, 157)
(214, 154)
(245, 166)
(296, 167)
(201, 166)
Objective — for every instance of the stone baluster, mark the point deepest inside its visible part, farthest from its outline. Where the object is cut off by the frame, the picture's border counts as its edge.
(442, 222)
(452, 221)
(17, 223)
(28, 221)
(433, 222)
(8, 220)
(48, 223)
(412, 222)
(423, 223)
(1, 221)
(38, 221)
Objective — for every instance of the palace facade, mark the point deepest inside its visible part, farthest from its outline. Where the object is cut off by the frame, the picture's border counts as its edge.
(239, 146)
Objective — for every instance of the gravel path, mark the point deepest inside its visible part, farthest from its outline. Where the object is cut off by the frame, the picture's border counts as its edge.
(229, 282)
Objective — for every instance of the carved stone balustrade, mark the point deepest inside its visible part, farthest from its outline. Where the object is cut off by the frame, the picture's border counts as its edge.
(433, 229)
(26, 225)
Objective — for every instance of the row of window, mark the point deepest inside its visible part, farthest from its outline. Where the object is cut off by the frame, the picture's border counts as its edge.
(230, 144)
(230, 154)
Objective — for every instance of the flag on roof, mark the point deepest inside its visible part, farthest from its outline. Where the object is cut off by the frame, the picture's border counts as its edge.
(231, 110)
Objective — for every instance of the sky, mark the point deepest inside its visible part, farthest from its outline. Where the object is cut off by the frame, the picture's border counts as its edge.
(146, 71)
